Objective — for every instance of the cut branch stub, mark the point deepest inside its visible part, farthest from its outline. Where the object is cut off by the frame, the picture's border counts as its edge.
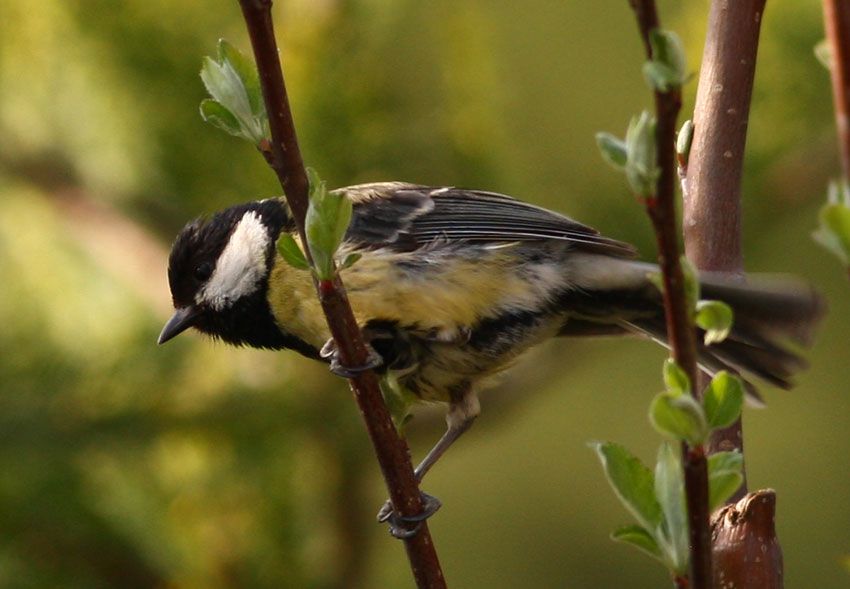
(746, 550)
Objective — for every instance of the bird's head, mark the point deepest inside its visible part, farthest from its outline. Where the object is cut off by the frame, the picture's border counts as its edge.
(218, 272)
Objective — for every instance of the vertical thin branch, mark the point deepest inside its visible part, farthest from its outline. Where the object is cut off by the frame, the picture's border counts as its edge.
(712, 229)
(837, 21)
(285, 158)
(680, 329)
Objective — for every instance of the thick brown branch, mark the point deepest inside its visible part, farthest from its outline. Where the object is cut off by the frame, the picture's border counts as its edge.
(837, 20)
(680, 328)
(712, 228)
(712, 210)
(746, 550)
(285, 158)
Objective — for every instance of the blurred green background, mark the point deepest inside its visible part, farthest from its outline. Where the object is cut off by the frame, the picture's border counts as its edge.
(195, 465)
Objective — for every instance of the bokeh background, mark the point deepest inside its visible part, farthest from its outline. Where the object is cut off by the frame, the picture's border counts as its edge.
(194, 465)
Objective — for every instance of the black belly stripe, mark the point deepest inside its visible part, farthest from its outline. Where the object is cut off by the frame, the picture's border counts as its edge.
(497, 335)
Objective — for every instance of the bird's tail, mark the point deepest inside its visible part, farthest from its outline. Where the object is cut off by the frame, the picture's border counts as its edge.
(773, 319)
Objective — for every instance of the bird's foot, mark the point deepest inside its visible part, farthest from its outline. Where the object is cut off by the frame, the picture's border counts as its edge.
(329, 351)
(398, 524)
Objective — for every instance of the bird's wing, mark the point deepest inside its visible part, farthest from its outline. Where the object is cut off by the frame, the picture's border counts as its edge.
(408, 216)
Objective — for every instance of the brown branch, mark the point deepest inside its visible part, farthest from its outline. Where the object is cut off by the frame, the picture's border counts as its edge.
(837, 22)
(285, 158)
(712, 227)
(661, 208)
(712, 210)
(746, 551)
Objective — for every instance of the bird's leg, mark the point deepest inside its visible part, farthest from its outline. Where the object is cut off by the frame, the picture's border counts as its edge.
(460, 417)
(457, 423)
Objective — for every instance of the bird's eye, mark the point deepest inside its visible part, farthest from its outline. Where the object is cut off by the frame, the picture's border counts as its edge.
(203, 271)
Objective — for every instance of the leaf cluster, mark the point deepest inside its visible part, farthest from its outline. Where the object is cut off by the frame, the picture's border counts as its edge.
(326, 223)
(677, 414)
(236, 106)
(656, 499)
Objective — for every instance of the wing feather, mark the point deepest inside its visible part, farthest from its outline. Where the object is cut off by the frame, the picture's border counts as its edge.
(408, 216)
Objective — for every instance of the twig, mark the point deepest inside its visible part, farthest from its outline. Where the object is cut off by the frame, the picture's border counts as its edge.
(712, 208)
(680, 328)
(285, 158)
(837, 21)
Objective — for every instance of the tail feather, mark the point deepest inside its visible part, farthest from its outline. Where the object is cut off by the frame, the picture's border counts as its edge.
(773, 318)
(775, 307)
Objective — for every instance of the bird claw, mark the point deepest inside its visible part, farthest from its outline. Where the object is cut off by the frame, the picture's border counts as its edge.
(329, 350)
(397, 523)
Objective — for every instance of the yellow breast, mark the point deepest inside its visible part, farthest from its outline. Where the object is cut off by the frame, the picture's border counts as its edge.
(441, 297)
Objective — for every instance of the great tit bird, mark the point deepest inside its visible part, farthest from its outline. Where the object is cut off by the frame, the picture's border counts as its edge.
(453, 285)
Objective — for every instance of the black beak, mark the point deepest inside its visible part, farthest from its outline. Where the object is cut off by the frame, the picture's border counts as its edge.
(183, 319)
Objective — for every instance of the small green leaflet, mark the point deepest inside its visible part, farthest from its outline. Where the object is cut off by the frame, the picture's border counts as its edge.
(398, 399)
(715, 317)
(237, 104)
(667, 70)
(675, 379)
(327, 221)
(669, 490)
(834, 230)
(684, 139)
(679, 417)
(641, 168)
(289, 250)
(723, 400)
(613, 149)
(632, 482)
(639, 538)
(725, 476)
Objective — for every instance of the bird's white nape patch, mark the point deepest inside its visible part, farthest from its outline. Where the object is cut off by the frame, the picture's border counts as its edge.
(241, 265)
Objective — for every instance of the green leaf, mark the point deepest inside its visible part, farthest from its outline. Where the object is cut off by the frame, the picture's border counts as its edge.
(290, 251)
(632, 482)
(675, 379)
(691, 282)
(834, 230)
(669, 490)
(723, 400)
(668, 68)
(715, 317)
(233, 83)
(350, 260)
(684, 139)
(824, 54)
(399, 401)
(639, 538)
(218, 116)
(725, 461)
(725, 476)
(660, 76)
(657, 280)
(327, 220)
(641, 168)
(247, 73)
(613, 149)
(679, 417)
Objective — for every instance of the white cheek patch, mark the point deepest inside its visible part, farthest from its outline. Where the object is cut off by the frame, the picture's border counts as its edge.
(240, 267)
